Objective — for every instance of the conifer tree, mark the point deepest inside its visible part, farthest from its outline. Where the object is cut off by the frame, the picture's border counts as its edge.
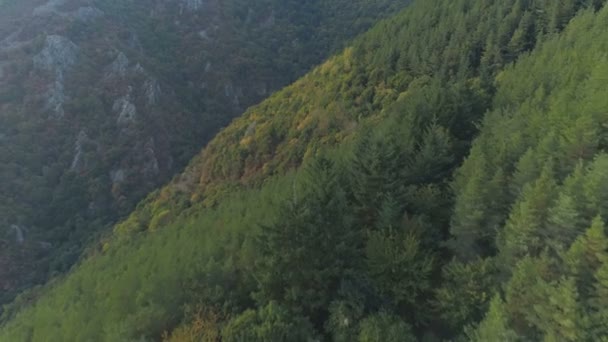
(311, 246)
(495, 325)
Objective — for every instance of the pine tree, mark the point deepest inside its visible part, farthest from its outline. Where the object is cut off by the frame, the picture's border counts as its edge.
(596, 187)
(385, 327)
(374, 177)
(269, 323)
(468, 222)
(563, 226)
(524, 36)
(399, 268)
(465, 291)
(310, 247)
(523, 232)
(495, 325)
(586, 256)
(599, 302)
(558, 313)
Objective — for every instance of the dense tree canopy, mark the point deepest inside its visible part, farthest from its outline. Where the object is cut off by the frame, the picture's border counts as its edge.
(442, 179)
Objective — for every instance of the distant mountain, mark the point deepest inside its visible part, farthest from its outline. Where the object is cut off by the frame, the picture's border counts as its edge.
(440, 179)
(103, 101)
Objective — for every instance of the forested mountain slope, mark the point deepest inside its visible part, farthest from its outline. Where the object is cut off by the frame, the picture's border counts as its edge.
(337, 210)
(531, 197)
(103, 101)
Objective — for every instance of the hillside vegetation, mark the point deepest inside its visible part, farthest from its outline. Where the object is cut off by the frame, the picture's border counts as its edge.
(440, 179)
(103, 101)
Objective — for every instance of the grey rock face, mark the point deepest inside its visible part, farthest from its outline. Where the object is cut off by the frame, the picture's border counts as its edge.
(152, 91)
(58, 55)
(55, 98)
(192, 5)
(127, 112)
(204, 35)
(78, 163)
(117, 176)
(87, 14)
(19, 236)
(151, 168)
(119, 67)
(49, 8)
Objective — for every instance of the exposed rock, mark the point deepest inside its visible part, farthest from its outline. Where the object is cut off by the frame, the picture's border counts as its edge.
(191, 5)
(127, 112)
(134, 42)
(138, 69)
(204, 35)
(58, 55)
(269, 22)
(45, 245)
(233, 94)
(119, 66)
(151, 168)
(55, 98)
(117, 176)
(250, 16)
(152, 91)
(228, 90)
(87, 14)
(19, 236)
(12, 42)
(78, 163)
(49, 8)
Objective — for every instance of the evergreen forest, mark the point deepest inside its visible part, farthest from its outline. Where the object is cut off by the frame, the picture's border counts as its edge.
(444, 177)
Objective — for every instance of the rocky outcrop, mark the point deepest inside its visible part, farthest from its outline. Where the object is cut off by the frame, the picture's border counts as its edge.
(117, 176)
(87, 14)
(19, 235)
(119, 67)
(78, 162)
(151, 168)
(151, 91)
(126, 110)
(55, 97)
(191, 5)
(56, 57)
(49, 8)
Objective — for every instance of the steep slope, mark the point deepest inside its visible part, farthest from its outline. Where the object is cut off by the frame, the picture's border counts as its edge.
(350, 247)
(531, 197)
(102, 101)
(422, 61)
